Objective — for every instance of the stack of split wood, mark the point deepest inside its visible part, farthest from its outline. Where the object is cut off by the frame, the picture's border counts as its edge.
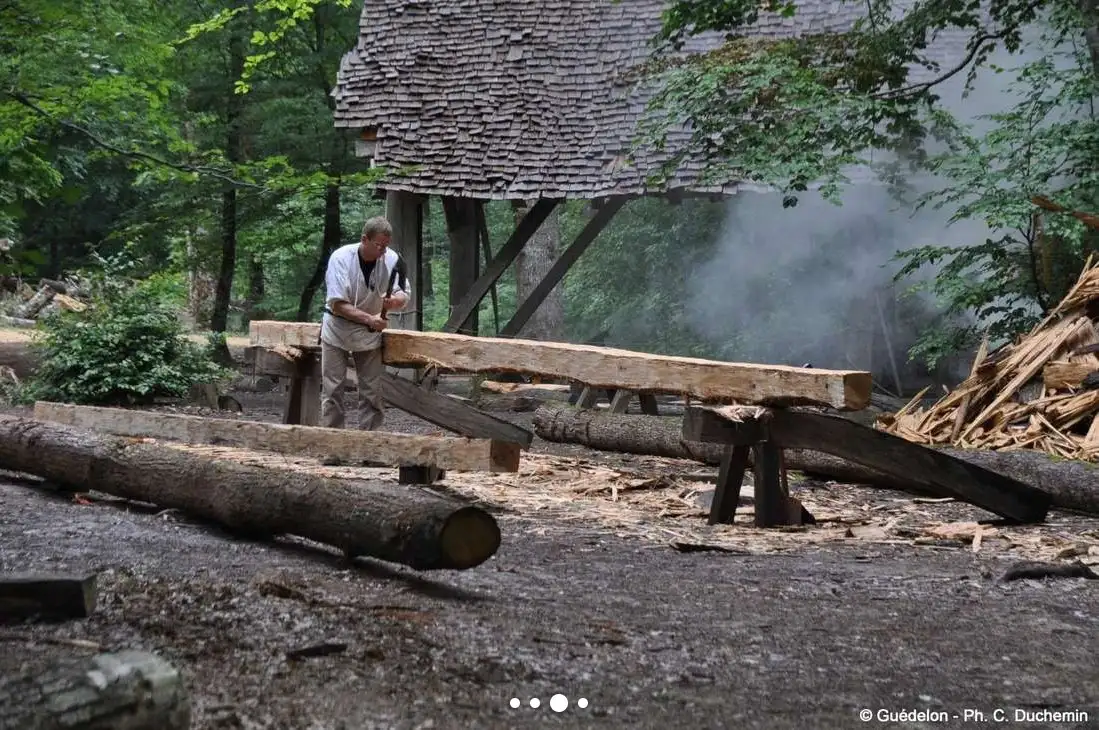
(50, 296)
(1039, 393)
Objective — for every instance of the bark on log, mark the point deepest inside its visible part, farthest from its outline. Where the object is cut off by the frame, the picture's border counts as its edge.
(42, 297)
(125, 691)
(399, 524)
(16, 322)
(1073, 485)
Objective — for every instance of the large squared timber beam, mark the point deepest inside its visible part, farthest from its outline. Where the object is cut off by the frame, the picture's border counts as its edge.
(561, 266)
(396, 449)
(500, 262)
(603, 367)
(910, 463)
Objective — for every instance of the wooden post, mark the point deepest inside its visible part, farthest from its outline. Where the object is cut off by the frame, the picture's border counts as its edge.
(560, 267)
(461, 223)
(405, 212)
(500, 262)
(730, 478)
(486, 247)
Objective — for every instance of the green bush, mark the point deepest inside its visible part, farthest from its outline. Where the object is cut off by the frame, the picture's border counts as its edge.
(128, 347)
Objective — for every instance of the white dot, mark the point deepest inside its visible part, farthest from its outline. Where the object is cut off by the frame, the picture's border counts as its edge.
(558, 703)
(515, 703)
(534, 702)
(581, 703)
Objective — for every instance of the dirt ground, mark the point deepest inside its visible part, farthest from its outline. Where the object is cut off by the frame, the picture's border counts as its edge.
(890, 604)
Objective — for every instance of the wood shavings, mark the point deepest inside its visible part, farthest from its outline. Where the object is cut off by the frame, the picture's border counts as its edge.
(1031, 394)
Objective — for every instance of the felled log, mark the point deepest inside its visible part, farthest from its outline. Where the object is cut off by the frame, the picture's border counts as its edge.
(131, 690)
(375, 519)
(627, 433)
(35, 304)
(16, 321)
(1072, 485)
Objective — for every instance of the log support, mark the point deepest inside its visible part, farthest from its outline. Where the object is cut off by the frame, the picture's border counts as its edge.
(420, 474)
(47, 596)
(893, 456)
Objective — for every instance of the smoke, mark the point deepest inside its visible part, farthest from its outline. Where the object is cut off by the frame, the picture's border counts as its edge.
(814, 283)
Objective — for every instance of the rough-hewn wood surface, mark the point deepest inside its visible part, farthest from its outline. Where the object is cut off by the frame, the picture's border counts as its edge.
(396, 449)
(602, 367)
(397, 523)
(131, 690)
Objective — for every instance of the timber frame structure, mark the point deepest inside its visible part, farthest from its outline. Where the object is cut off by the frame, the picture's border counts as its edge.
(530, 100)
(527, 100)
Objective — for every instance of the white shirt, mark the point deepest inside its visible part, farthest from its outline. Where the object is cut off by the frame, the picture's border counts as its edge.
(343, 281)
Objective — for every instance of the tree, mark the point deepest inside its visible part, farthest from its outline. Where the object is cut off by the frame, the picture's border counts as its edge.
(796, 112)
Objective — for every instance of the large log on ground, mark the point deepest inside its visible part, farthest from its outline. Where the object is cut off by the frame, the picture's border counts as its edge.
(131, 690)
(1072, 485)
(397, 523)
(601, 367)
(396, 449)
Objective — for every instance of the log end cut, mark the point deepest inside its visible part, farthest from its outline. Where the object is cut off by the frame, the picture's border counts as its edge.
(469, 537)
(504, 456)
(857, 387)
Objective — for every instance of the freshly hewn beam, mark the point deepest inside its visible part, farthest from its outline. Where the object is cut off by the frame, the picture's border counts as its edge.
(351, 445)
(939, 473)
(604, 367)
(561, 267)
(500, 263)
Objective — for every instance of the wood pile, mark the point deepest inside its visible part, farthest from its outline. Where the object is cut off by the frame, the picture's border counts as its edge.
(1039, 393)
(50, 296)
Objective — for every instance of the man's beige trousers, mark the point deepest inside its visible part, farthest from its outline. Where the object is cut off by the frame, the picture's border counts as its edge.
(368, 368)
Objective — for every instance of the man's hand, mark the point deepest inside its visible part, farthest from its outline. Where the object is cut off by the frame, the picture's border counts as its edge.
(375, 322)
(394, 302)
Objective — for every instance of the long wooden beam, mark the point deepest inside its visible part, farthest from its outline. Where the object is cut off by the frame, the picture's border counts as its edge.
(500, 262)
(561, 267)
(937, 472)
(396, 449)
(604, 367)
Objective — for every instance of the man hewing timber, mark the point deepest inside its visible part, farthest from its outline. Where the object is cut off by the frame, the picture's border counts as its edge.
(364, 282)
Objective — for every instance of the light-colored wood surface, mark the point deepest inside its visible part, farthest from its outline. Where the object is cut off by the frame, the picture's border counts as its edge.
(397, 449)
(603, 367)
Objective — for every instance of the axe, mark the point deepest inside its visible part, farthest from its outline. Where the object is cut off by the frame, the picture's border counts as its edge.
(399, 270)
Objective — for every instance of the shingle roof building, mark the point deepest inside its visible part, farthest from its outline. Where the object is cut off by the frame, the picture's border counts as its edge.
(501, 99)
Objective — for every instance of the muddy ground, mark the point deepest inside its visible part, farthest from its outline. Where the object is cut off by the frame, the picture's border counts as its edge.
(650, 637)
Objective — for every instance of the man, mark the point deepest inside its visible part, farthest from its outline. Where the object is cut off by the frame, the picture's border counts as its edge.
(357, 280)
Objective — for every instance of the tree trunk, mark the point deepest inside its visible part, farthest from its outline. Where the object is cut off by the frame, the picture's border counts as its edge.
(330, 240)
(531, 266)
(131, 690)
(256, 287)
(376, 519)
(234, 118)
(1072, 485)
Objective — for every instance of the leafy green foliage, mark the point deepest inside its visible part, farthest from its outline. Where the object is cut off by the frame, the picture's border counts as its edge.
(1044, 145)
(128, 347)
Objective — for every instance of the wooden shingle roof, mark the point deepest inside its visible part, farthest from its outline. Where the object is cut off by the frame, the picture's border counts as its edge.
(518, 99)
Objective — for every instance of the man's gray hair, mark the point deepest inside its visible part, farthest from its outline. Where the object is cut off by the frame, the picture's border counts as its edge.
(377, 226)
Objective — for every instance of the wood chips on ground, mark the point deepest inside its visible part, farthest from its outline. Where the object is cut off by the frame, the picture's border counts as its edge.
(657, 500)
